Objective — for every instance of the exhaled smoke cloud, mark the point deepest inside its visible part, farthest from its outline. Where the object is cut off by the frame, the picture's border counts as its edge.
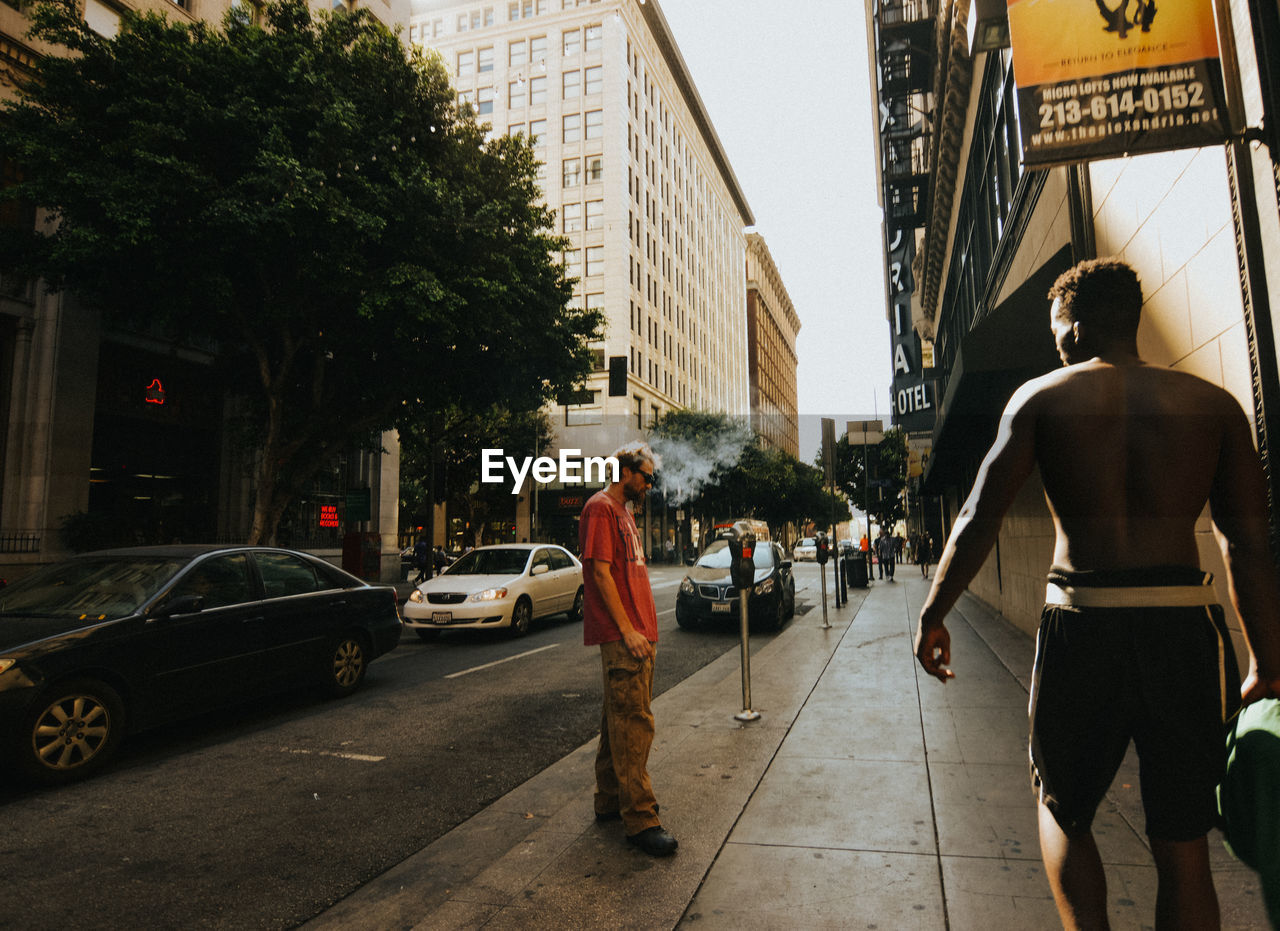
(688, 463)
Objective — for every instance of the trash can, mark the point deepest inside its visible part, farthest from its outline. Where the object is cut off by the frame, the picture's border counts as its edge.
(855, 570)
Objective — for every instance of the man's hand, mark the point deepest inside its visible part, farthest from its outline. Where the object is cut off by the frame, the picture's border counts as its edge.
(637, 645)
(1255, 687)
(933, 650)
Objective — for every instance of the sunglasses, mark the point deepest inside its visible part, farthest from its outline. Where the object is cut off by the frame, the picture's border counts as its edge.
(648, 476)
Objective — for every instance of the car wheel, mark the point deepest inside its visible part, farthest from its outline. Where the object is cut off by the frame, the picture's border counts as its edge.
(780, 615)
(575, 613)
(70, 732)
(426, 635)
(791, 603)
(345, 665)
(521, 617)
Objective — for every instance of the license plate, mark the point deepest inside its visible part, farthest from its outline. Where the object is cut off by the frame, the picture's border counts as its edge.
(720, 607)
(441, 617)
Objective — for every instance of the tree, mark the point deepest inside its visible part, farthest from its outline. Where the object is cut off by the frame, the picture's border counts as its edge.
(886, 462)
(306, 196)
(440, 459)
(721, 469)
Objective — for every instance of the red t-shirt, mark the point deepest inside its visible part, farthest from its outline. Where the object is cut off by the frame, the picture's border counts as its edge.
(607, 531)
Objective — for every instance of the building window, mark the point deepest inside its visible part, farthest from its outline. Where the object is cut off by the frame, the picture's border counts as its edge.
(594, 80)
(488, 16)
(595, 260)
(595, 302)
(484, 98)
(573, 263)
(467, 99)
(517, 53)
(515, 94)
(572, 84)
(513, 11)
(592, 41)
(515, 129)
(538, 135)
(595, 168)
(572, 172)
(572, 128)
(484, 60)
(462, 22)
(572, 42)
(595, 214)
(466, 64)
(538, 49)
(475, 20)
(572, 214)
(537, 91)
(594, 124)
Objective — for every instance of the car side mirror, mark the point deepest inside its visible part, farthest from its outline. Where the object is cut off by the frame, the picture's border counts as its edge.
(540, 569)
(183, 604)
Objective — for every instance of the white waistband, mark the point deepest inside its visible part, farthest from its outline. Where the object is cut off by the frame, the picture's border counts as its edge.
(1138, 596)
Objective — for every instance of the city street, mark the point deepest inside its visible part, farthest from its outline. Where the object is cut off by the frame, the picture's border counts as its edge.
(263, 816)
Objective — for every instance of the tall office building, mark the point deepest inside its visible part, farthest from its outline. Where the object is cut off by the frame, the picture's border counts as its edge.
(642, 190)
(772, 326)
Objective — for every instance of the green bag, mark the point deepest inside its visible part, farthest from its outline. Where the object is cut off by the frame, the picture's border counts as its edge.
(1249, 796)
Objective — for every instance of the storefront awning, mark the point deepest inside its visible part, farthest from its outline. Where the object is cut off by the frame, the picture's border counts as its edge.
(1012, 344)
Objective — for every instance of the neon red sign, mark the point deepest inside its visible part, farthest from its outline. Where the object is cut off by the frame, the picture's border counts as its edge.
(329, 515)
(155, 392)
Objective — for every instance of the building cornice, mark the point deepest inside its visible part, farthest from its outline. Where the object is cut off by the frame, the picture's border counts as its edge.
(662, 34)
(769, 269)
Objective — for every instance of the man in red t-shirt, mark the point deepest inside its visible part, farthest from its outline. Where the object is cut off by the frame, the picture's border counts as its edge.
(619, 615)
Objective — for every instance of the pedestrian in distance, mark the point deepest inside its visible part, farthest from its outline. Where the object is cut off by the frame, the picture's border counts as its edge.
(1130, 640)
(924, 554)
(887, 551)
(440, 559)
(620, 617)
(421, 559)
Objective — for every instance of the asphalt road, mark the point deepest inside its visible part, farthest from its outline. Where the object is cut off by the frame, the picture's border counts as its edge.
(263, 816)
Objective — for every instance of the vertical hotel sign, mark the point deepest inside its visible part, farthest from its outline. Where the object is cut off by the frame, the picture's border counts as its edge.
(1102, 78)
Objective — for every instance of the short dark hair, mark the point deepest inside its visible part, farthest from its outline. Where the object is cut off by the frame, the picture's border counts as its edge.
(1103, 294)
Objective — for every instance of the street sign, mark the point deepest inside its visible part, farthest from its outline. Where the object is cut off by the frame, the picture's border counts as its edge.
(869, 432)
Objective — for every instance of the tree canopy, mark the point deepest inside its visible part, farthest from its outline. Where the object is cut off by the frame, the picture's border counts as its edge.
(720, 468)
(875, 476)
(306, 196)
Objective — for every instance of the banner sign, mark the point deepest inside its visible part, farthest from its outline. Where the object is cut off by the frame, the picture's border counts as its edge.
(911, 396)
(1102, 78)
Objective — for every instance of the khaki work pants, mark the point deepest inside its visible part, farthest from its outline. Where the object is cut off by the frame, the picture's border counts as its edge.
(626, 733)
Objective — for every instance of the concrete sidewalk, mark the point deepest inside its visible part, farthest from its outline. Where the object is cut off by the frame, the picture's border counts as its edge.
(866, 796)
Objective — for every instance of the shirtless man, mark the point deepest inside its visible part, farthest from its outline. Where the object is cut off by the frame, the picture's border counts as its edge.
(1129, 454)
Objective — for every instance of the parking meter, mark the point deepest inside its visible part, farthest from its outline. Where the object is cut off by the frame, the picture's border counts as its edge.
(824, 555)
(742, 552)
(742, 571)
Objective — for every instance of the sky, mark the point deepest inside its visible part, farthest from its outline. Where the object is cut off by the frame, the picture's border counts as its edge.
(786, 83)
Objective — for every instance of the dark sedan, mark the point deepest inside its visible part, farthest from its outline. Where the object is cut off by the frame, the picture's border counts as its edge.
(708, 594)
(117, 641)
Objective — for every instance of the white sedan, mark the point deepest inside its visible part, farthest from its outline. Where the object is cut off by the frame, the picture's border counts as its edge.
(806, 550)
(507, 586)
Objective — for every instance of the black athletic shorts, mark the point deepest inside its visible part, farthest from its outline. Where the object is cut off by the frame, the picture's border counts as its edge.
(1164, 677)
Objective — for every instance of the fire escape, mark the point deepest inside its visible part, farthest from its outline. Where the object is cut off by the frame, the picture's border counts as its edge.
(905, 54)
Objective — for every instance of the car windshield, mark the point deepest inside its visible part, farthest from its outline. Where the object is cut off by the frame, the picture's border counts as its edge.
(96, 588)
(808, 541)
(717, 556)
(490, 562)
